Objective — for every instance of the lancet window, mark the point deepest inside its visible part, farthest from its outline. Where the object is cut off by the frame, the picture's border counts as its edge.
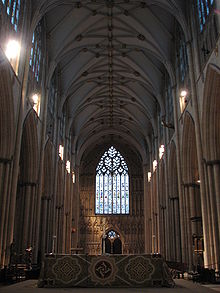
(35, 58)
(13, 10)
(204, 8)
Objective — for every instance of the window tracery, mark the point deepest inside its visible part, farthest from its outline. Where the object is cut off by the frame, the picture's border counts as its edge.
(204, 9)
(13, 11)
(35, 57)
(112, 184)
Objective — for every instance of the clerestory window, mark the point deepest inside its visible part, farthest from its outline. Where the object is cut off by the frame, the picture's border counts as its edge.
(204, 8)
(112, 184)
(13, 10)
(35, 57)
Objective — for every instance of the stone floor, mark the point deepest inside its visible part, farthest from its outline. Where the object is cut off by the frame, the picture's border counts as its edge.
(182, 286)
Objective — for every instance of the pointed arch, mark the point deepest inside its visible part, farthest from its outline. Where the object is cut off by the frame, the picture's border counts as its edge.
(211, 114)
(189, 152)
(29, 149)
(112, 184)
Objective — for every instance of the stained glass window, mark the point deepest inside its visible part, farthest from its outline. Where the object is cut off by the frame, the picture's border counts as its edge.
(35, 57)
(13, 10)
(204, 8)
(112, 184)
(112, 234)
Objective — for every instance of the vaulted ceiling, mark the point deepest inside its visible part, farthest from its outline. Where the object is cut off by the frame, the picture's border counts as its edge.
(112, 56)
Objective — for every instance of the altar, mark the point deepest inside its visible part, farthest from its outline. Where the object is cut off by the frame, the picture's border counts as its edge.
(81, 270)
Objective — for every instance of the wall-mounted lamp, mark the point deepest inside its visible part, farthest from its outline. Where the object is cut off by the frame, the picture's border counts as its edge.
(68, 166)
(183, 99)
(73, 177)
(149, 176)
(61, 151)
(35, 100)
(12, 50)
(154, 165)
(161, 151)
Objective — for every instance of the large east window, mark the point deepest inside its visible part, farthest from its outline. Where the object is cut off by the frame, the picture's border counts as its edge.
(112, 184)
(204, 8)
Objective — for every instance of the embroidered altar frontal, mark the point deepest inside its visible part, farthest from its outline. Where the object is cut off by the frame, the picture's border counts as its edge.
(104, 271)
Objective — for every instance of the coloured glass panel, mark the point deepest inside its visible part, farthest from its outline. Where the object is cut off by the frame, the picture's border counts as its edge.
(112, 184)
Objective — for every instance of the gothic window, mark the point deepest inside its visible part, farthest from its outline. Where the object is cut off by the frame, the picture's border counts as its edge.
(13, 10)
(112, 184)
(62, 125)
(183, 62)
(204, 8)
(35, 57)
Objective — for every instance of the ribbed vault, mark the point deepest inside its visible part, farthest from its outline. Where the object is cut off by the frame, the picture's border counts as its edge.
(112, 56)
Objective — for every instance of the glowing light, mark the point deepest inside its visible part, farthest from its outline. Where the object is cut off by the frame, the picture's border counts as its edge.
(183, 99)
(68, 166)
(198, 181)
(61, 149)
(183, 93)
(36, 103)
(161, 151)
(149, 176)
(154, 165)
(12, 49)
(73, 177)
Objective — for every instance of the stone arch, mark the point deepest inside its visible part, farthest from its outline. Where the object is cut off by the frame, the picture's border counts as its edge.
(111, 242)
(191, 193)
(29, 149)
(26, 199)
(211, 114)
(91, 234)
(211, 149)
(189, 152)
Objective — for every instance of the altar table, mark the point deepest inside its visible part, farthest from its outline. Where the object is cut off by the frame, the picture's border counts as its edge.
(81, 270)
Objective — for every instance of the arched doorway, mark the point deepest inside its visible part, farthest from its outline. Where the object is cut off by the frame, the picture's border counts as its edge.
(113, 244)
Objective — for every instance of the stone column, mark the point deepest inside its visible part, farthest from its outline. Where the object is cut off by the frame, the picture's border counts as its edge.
(199, 149)
(145, 207)
(188, 228)
(44, 203)
(4, 186)
(214, 218)
(217, 196)
(179, 173)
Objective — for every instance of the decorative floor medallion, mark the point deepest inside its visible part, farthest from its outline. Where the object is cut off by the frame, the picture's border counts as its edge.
(66, 269)
(103, 270)
(139, 269)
